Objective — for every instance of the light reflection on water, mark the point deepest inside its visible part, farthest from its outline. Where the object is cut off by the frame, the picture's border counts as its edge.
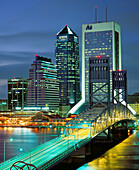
(25, 138)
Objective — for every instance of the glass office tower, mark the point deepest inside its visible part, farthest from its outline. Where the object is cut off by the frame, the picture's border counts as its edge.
(17, 93)
(100, 39)
(67, 65)
(43, 86)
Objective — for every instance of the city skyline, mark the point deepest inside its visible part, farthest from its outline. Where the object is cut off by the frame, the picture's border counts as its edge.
(29, 28)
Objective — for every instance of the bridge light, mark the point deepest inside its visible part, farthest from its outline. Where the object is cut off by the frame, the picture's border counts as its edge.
(21, 149)
(11, 139)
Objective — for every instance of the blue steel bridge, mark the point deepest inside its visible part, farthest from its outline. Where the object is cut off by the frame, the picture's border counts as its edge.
(78, 132)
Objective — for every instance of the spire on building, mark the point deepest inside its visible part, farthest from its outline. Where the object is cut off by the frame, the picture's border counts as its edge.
(66, 30)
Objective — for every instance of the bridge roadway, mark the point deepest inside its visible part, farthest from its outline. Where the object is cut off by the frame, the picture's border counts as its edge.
(125, 155)
(78, 132)
(52, 150)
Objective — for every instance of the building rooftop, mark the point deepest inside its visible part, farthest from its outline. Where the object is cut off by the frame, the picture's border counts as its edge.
(42, 58)
(66, 30)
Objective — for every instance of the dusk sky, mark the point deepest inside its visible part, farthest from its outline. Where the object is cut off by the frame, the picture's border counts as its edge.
(29, 27)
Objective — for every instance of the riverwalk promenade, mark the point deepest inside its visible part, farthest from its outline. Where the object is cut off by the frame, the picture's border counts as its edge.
(125, 155)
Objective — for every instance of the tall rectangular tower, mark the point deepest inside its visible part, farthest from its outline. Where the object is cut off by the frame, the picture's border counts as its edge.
(67, 65)
(43, 86)
(100, 39)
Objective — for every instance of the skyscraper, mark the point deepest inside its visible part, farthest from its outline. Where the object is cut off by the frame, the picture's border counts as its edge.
(67, 65)
(100, 39)
(43, 86)
(17, 93)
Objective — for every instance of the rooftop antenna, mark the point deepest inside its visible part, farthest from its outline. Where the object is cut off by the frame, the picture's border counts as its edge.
(96, 14)
(106, 14)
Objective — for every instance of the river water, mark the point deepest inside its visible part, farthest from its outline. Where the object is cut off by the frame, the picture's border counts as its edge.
(124, 155)
(23, 139)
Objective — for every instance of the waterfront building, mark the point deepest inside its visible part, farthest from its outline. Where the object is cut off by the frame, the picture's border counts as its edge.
(3, 104)
(100, 39)
(17, 93)
(67, 65)
(43, 85)
(133, 101)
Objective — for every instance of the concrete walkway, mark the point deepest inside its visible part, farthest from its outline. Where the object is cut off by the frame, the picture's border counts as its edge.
(123, 156)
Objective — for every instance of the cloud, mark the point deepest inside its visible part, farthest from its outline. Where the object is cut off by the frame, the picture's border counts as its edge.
(28, 41)
(7, 63)
(3, 82)
(13, 57)
(3, 88)
(133, 86)
(17, 64)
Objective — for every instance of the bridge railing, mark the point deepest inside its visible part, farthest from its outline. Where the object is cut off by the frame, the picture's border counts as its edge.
(64, 154)
(107, 118)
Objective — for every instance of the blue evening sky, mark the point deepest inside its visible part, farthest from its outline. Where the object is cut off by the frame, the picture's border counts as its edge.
(29, 27)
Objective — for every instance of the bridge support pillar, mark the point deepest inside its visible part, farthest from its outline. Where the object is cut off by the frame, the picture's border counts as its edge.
(109, 133)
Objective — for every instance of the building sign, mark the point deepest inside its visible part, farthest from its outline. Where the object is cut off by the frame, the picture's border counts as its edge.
(89, 27)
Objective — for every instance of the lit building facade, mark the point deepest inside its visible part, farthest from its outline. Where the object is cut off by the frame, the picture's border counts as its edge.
(43, 86)
(100, 39)
(3, 104)
(17, 93)
(67, 65)
(133, 101)
(119, 83)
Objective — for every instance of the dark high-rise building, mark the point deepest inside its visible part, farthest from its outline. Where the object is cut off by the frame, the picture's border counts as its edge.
(17, 93)
(43, 86)
(119, 83)
(99, 81)
(67, 65)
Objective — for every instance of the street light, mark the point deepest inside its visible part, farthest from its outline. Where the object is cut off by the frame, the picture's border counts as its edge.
(8, 140)
(21, 150)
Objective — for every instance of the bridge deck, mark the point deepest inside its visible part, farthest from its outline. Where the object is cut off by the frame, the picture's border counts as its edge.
(52, 150)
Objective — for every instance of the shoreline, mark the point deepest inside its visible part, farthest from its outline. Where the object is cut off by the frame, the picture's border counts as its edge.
(12, 126)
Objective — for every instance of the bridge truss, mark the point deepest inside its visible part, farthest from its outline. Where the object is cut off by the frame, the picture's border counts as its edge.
(95, 120)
